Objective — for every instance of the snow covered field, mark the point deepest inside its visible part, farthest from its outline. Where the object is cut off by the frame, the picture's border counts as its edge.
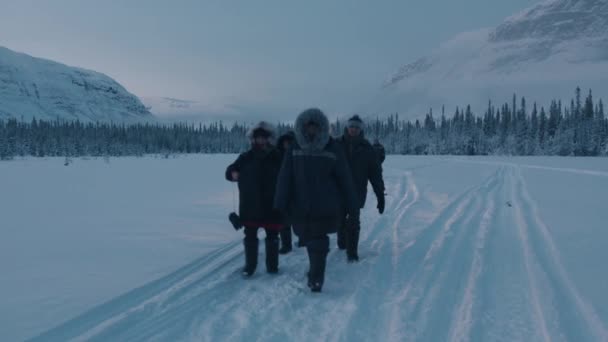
(481, 249)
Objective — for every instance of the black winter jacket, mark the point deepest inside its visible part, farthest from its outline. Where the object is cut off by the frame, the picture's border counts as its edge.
(364, 166)
(258, 171)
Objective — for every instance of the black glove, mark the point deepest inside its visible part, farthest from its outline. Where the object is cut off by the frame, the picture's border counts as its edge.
(235, 220)
(381, 204)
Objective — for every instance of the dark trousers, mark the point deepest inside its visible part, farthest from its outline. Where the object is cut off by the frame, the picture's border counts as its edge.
(348, 234)
(286, 237)
(251, 249)
(315, 238)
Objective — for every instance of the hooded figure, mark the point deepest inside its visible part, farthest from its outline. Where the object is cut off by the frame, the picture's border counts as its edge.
(256, 172)
(286, 141)
(364, 166)
(314, 188)
(284, 144)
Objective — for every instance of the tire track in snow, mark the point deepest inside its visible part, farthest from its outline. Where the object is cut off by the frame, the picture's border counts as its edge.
(575, 318)
(152, 294)
(425, 261)
(373, 288)
(533, 281)
(411, 188)
(463, 318)
(585, 172)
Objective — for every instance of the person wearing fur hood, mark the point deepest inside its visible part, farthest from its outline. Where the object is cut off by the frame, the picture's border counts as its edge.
(256, 173)
(314, 187)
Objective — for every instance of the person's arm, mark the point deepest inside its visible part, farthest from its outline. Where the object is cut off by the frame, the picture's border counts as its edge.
(233, 169)
(375, 178)
(375, 174)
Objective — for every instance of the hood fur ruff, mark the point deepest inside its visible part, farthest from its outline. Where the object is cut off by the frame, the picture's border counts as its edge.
(268, 127)
(320, 141)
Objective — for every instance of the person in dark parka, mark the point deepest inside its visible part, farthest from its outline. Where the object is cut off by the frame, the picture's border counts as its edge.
(256, 172)
(364, 166)
(314, 187)
(283, 144)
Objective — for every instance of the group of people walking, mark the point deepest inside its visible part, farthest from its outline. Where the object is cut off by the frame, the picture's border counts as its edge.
(308, 181)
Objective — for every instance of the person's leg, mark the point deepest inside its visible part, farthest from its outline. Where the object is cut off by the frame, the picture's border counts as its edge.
(317, 248)
(251, 250)
(352, 239)
(286, 244)
(272, 251)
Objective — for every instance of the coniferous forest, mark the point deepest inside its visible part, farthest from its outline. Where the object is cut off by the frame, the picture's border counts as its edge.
(577, 128)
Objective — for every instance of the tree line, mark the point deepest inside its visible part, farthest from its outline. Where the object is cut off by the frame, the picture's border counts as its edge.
(579, 128)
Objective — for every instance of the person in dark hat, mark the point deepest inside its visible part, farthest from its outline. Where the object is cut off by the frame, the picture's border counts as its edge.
(314, 187)
(256, 173)
(364, 167)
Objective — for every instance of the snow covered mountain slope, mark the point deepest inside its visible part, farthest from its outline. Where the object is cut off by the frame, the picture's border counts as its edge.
(542, 53)
(33, 87)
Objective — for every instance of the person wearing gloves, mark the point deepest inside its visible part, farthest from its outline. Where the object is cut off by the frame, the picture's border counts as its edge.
(364, 166)
(256, 173)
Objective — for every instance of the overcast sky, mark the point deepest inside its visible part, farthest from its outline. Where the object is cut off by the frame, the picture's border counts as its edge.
(277, 54)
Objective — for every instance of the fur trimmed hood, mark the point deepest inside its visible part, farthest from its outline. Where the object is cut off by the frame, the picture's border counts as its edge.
(318, 117)
(289, 136)
(266, 126)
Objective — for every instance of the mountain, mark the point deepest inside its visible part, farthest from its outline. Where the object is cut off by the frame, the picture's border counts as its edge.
(542, 53)
(198, 111)
(178, 109)
(34, 87)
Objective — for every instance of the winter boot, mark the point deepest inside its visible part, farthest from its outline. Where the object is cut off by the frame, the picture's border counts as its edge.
(317, 256)
(316, 275)
(286, 245)
(272, 254)
(251, 256)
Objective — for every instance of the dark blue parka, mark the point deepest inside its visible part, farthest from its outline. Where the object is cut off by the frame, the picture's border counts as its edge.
(315, 184)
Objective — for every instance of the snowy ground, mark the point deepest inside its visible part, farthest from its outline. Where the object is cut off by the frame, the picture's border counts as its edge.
(481, 249)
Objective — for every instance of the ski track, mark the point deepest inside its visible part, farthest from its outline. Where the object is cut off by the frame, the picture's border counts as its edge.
(463, 319)
(373, 289)
(118, 308)
(428, 262)
(539, 314)
(538, 167)
(575, 318)
(434, 282)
